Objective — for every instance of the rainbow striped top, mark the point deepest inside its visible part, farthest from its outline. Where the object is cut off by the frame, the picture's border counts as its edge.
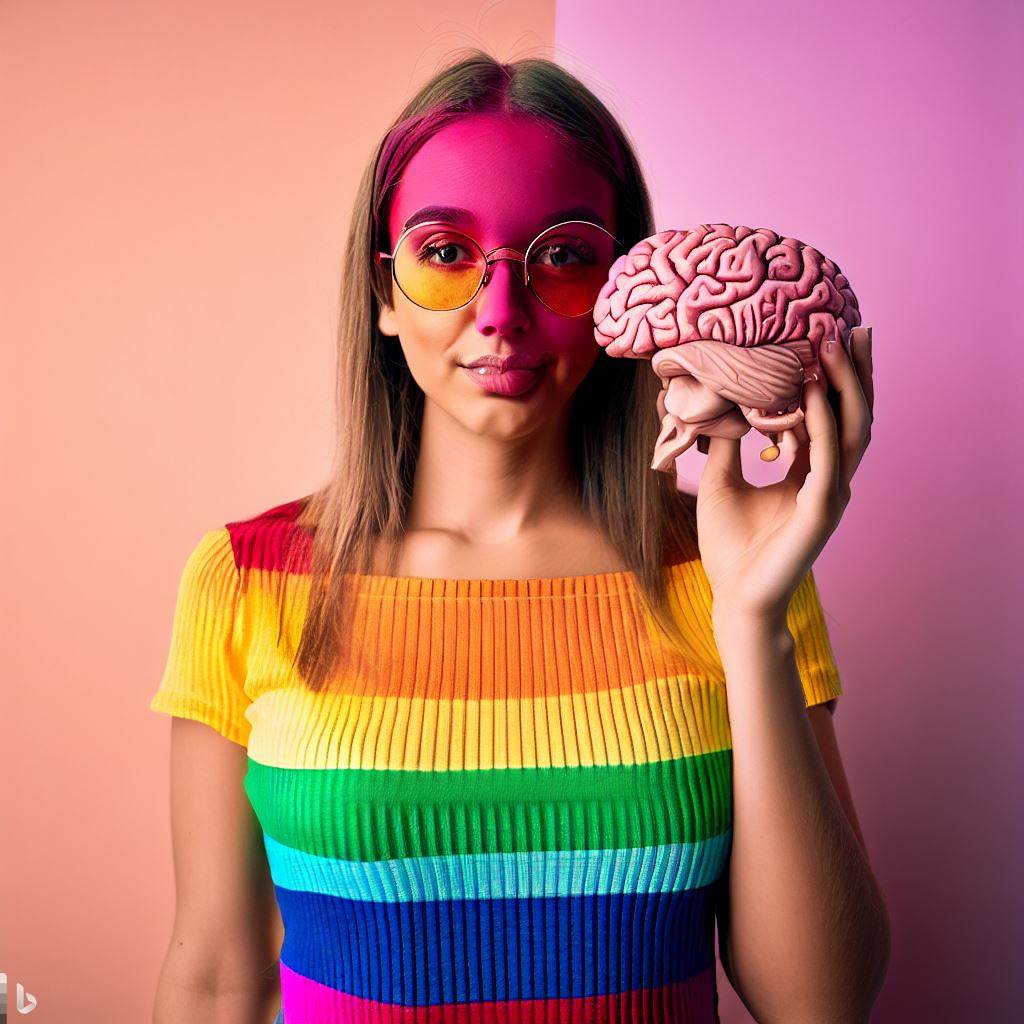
(517, 809)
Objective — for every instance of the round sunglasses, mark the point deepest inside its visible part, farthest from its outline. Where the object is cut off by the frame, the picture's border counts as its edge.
(441, 268)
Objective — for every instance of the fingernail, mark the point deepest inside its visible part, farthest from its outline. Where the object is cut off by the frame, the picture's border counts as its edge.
(829, 345)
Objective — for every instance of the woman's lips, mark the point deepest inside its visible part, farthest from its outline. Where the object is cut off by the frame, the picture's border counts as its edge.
(511, 383)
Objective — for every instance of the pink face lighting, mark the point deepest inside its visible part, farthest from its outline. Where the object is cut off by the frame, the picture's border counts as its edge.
(501, 179)
(732, 319)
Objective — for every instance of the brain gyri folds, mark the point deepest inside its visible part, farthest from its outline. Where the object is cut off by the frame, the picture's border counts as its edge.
(732, 319)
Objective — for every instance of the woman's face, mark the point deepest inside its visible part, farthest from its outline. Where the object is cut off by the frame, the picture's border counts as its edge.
(513, 177)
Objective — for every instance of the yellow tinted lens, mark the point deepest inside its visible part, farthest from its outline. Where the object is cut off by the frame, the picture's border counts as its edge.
(438, 268)
(569, 265)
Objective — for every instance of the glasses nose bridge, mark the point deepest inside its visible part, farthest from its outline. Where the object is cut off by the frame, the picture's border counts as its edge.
(490, 259)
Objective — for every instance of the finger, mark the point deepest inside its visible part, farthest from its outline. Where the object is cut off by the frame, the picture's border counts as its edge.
(797, 472)
(790, 443)
(860, 342)
(724, 462)
(800, 430)
(821, 484)
(799, 445)
(852, 414)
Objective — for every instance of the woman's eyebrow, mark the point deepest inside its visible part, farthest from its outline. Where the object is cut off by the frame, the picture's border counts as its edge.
(451, 214)
(460, 215)
(574, 213)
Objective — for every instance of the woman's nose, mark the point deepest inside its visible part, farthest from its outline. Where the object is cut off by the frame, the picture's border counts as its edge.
(503, 300)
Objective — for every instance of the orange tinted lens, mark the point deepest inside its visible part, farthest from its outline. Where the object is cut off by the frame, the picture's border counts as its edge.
(438, 268)
(569, 265)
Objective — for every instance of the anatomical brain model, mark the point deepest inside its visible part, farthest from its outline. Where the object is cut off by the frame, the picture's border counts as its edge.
(732, 319)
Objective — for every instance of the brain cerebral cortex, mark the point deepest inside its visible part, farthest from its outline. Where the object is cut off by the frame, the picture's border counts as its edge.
(744, 286)
(732, 318)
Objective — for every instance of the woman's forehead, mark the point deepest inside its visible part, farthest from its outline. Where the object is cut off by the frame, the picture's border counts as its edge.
(505, 175)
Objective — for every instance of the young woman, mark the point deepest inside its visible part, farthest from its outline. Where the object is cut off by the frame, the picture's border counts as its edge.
(470, 738)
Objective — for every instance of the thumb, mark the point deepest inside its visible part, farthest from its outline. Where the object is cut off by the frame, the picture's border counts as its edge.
(724, 459)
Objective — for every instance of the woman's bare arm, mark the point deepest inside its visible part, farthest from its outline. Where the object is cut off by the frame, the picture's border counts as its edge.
(221, 964)
(806, 934)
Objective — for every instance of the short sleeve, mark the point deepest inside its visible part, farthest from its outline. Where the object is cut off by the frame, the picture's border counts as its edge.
(204, 677)
(813, 651)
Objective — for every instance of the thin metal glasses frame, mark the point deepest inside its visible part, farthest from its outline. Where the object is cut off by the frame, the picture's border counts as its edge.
(490, 259)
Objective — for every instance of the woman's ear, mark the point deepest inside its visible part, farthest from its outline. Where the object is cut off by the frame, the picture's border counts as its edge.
(387, 322)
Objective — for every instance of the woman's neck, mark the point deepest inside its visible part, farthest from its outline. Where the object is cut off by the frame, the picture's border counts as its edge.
(485, 489)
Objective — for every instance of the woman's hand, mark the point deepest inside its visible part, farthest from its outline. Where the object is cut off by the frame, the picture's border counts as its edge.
(758, 543)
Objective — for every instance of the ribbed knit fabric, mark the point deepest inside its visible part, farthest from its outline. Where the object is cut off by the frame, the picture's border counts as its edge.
(517, 807)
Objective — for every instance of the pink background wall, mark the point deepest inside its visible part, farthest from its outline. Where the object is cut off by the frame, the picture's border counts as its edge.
(881, 131)
(174, 192)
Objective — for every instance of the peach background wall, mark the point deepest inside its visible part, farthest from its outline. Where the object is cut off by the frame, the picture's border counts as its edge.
(174, 193)
(175, 187)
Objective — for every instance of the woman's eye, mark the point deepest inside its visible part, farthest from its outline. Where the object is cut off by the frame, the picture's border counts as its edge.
(561, 255)
(446, 252)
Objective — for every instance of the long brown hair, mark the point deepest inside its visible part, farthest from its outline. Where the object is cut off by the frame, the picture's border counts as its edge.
(613, 423)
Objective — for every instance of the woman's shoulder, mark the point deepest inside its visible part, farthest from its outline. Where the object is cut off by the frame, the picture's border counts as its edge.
(264, 540)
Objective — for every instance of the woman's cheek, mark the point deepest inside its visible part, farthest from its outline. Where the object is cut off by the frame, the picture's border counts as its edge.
(428, 349)
(579, 359)
(432, 371)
